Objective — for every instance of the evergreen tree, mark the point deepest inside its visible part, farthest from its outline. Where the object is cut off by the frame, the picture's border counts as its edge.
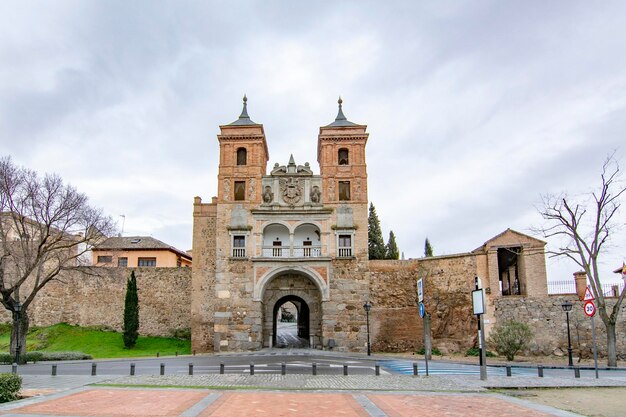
(428, 250)
(131, 313)
(376, 244)
(392, 247)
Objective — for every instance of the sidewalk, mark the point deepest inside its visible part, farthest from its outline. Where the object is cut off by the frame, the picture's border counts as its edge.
(142, 402)
(234, 395)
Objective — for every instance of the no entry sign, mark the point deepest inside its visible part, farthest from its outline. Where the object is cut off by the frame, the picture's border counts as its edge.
(590, 308)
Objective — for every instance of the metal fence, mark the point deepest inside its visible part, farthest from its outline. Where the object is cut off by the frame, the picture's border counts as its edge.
(569, 287)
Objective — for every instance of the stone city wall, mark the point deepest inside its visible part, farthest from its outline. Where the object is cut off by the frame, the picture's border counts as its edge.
(547, 320)
(448, 281)
(97, 299)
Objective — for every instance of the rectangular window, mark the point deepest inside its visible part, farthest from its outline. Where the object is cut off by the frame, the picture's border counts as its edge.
(122, 261)
(344, 190)
(146, 262)
(239, 246)
(105, 259)
(240, 190)
(344, 248)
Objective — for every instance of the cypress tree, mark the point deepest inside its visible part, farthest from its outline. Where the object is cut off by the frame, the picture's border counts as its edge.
(376, 244)
(131, 313)
(392, 247)
(428, 249)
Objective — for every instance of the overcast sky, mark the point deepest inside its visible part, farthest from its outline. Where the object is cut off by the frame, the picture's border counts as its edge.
(474, 108)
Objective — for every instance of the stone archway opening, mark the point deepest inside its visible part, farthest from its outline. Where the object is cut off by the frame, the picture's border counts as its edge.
(292, 312)
(291, 323)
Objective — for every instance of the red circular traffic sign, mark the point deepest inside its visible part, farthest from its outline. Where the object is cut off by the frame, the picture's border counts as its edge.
(590, 308)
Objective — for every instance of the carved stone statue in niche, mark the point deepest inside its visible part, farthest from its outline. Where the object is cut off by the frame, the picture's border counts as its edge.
(291, 190)
(226, 189)
(268, 195)
(315, 194)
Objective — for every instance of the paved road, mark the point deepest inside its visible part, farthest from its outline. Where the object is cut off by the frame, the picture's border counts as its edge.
(298, 361)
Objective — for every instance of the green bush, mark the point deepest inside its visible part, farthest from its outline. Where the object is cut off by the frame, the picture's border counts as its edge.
(36, 356)
(183, 334)
(10, 385)
(474, 351)
(434, 351)
(510, 337)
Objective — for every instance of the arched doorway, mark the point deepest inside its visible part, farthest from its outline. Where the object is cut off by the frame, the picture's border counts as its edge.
(301, 298)
(291, 323)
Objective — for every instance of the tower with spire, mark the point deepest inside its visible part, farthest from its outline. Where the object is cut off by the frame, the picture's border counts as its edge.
(284, 236)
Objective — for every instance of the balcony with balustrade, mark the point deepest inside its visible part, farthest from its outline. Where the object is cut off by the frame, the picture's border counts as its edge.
(280, 243)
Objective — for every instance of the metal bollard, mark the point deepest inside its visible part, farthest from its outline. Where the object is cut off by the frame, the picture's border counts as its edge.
(14, 368)
(157, 354)
(576, 372)
(190, 368)
(221, 368)
(251, 368)
(508, 370)
(283, 368)
(194, 352)
(132, 369)
(162, 368)
(377, 369)
(93, 369)
(345, 369)
(176, 354)
(415, 371)
(314, 368)
(540, 371)
(54, 370)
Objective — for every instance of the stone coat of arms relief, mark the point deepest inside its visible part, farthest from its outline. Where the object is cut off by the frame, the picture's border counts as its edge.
(291, 190)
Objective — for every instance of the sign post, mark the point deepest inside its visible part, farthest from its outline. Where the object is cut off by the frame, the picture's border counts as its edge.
(590, 310)
(425, 323)
(478, 304)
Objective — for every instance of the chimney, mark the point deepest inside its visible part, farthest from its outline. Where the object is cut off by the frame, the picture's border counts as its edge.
(580, 278)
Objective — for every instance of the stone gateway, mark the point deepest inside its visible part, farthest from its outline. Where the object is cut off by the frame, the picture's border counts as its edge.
(294, 238)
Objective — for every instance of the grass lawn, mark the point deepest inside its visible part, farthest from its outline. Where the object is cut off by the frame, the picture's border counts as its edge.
(94, 341)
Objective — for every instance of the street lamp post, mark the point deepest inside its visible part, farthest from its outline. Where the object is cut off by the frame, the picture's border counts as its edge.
(18, 310)
(567, 307)
(367, 307)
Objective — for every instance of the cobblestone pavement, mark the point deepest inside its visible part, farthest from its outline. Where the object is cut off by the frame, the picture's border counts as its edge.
(142, 402)
(457, 383)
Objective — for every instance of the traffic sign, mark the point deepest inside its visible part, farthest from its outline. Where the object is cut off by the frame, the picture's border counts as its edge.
(420, 290)
(422, 309)
(590, 308)
(588, 295)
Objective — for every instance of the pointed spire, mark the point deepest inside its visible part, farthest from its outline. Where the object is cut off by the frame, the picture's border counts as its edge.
(341, 120)
(244, 119)
(291, 160)
(340, 115)
(244, 112)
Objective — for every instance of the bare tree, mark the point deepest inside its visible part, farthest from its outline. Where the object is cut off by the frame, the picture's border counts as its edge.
(585, 227)
(46, 227)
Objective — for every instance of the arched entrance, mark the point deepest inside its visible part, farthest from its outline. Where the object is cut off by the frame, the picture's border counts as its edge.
(291, 323)
(301, 299)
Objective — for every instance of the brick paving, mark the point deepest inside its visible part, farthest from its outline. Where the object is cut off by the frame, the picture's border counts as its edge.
(235, 395)
(445, 405)
(122, 402)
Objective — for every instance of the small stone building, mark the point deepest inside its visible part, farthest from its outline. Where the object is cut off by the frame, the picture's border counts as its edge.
(292, 235)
